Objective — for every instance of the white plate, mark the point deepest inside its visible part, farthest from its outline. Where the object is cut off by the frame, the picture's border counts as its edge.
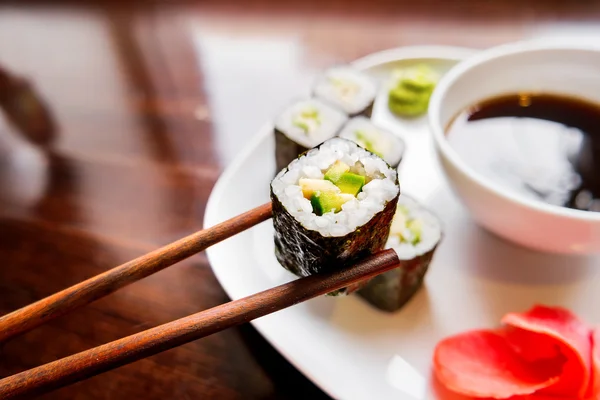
(348, 348)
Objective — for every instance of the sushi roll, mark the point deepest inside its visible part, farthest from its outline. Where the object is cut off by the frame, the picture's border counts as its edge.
(349, 90)
(414, 235)
(379, 141)
(302, 126)
(331, 207)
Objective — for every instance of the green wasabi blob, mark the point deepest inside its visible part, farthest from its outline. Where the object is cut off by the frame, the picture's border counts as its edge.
(403, 96)
(420, 78)
(405, 102)
(410, 95)
(409, 110)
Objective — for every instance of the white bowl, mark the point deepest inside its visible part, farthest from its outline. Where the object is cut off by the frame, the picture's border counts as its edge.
(534, 66)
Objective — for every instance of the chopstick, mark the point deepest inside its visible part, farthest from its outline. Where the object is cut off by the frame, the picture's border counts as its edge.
(144, 344)
(94, 288)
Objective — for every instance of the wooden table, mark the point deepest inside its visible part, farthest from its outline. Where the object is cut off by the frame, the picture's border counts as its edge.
(150, 102)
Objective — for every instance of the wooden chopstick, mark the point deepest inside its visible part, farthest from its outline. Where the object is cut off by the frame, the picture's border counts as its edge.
(144, 344)
(94, 288)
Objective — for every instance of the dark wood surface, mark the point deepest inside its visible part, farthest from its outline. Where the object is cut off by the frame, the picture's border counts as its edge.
(98, 286)
(184, 330)
(150, 101)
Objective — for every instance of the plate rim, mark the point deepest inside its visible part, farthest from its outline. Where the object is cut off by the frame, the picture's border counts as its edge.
(441, 52)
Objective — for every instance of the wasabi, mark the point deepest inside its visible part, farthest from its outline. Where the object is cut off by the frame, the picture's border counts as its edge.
(412, 88)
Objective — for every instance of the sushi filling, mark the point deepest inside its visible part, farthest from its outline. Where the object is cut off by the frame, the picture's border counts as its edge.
(339, 185)
(378, 141)
(336, 188)
(310, 122)
(347, 89)
(414, 230)
(368, 141)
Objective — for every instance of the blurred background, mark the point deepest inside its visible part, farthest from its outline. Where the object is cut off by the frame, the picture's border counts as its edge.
(119, 117)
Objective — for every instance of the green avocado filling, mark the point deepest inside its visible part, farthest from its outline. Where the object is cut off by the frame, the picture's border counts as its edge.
(346, 89)
(365, 141)
(350, 183)
(411, 92)
(307, 120)
(407, 229)
(335, 172)
(324, 202)
(338, 186)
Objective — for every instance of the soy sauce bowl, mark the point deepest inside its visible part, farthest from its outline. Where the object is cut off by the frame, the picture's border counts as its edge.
(572, 69)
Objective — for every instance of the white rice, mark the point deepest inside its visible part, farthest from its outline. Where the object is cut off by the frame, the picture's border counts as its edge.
(430, 236)
(328, 125)
(388, 145)
(346, 88)
(356, 212)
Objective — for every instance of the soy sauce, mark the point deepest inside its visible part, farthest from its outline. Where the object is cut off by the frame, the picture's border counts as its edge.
(543, 146)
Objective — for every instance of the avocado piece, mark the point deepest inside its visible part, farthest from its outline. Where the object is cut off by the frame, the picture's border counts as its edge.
(307, 120)
(367, 143)
(301, 124)
(310, 186)
(311, 113)
(415, 226)
(334, 172)
(350, 183)
(408, 230)
(324, 202)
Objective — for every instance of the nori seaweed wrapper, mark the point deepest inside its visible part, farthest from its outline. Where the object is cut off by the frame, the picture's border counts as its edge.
(306, 252)
(286, 150)
(393, 289)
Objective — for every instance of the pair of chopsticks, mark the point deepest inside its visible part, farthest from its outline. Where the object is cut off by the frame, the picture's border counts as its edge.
(152, 341)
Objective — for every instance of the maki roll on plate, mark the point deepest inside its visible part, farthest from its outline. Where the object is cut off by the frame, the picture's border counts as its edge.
(414, 235)
(349, 90)
(331, 207)
(302, 126)
(375, 139)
